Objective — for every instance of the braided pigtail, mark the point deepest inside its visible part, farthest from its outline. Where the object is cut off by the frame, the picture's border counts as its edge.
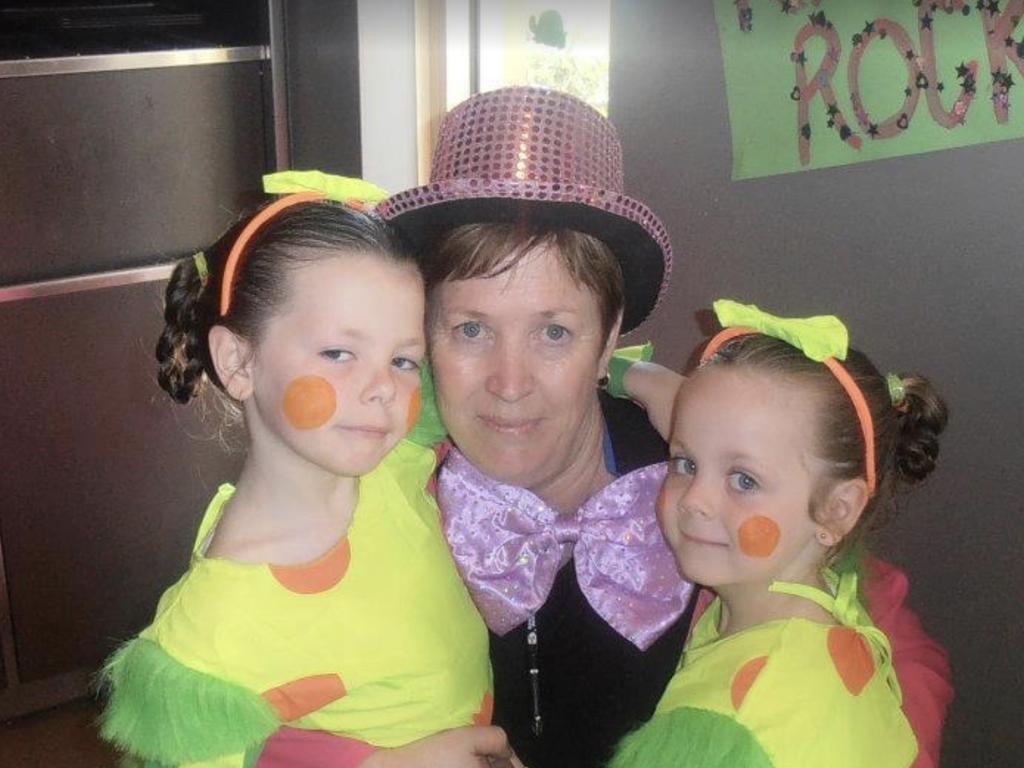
(182, 351)
(922, 417)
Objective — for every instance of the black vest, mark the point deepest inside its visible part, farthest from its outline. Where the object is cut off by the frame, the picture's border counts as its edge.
(595, 686)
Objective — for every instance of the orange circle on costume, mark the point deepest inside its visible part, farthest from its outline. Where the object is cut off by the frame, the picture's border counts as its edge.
(486, 711)
(318, 576)
(745, 678)
(415, 407)
(852, 658)
(759, 536)
(309, 402)
(304, 696)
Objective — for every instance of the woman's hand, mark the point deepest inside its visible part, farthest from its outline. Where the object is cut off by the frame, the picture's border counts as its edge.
(483, 746)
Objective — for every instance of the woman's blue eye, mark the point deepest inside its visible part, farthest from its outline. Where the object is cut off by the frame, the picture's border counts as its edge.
(470, 330)
(336, 354)
(684, 466)
(556, 332)
(405, 364)
(741, 481)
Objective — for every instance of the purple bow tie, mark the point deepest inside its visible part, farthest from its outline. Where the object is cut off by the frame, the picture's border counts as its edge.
(509, 546)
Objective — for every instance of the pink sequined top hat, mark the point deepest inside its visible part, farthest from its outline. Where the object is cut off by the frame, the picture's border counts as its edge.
(526, 153)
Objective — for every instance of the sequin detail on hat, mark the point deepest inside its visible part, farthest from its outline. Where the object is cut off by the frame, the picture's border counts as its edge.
(534, 145)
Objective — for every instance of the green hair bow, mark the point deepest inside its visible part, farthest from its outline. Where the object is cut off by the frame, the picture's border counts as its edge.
(818, 337)
(343, 189)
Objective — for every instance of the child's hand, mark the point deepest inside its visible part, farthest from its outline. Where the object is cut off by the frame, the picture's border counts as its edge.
(654, 387)
(483, 746)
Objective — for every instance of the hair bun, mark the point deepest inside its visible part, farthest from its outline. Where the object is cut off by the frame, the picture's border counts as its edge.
(923, 416)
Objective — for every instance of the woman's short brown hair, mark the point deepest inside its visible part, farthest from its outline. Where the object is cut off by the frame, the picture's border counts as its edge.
(487, 250)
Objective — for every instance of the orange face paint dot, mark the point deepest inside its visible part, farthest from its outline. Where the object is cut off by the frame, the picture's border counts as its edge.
(852, 658)
(318, 576)
(745, 678)
(759, 536)
(309, 402)
(415, 406)
(304, 696)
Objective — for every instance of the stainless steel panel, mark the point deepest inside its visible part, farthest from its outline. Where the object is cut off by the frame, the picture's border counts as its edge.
(115, 62)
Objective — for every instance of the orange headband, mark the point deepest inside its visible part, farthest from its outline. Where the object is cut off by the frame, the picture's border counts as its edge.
(860, 404)
(231, 265)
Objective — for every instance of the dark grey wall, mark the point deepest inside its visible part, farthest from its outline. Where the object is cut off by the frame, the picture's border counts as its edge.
(922, 257)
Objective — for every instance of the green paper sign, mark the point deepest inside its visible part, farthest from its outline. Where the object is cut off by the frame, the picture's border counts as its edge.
(817, 83)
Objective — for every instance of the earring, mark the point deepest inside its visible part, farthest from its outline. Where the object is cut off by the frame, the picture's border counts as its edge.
(824, 538)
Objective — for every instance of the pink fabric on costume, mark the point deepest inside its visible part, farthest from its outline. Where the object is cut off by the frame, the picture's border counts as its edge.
(298, 748)
(922, 665)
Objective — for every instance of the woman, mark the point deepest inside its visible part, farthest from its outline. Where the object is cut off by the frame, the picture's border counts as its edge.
(535, 261)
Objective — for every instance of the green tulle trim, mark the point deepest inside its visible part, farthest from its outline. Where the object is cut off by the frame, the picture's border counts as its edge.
(429, 429)
(160, 711)
(690, 738)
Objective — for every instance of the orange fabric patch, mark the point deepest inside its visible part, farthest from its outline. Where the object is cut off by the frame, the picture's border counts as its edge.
(301, 697)
(415, 406)
(309, 402)
(759, 536)
(745, 678)
(483, 716)
(852, 658)
(318, 576)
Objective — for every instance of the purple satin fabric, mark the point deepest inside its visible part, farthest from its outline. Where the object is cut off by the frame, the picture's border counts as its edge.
(509, 545)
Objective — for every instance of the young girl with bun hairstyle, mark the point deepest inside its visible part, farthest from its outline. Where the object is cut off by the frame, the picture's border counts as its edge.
(321, 600)
(786, 448)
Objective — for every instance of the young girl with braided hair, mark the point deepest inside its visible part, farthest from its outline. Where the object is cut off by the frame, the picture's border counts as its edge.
(321, 617)
(786, 448)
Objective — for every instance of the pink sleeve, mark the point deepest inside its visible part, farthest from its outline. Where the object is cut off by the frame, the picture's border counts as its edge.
(297, 748)
(922, 665)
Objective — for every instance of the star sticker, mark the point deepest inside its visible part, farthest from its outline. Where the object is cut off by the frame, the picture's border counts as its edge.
(907, 91)
(993, 7)
(962, 70)
(805, 130)
(833, 110)
(926, 22)
(922, 81)
(910, 55)
(786, 5)
(941, 86)
(831, 123)
(869, 27)
(857, 38)
(845, 132)
(980, 5)
(872, 129)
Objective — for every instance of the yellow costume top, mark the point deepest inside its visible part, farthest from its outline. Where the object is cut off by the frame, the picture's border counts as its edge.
(376, 640)
(790, 693)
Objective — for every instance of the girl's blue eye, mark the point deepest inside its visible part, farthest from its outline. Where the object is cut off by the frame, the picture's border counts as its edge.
(471, 329)
(405, 364)
(741, 481)
(555, 332)
(336, 355)
(684, 465)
